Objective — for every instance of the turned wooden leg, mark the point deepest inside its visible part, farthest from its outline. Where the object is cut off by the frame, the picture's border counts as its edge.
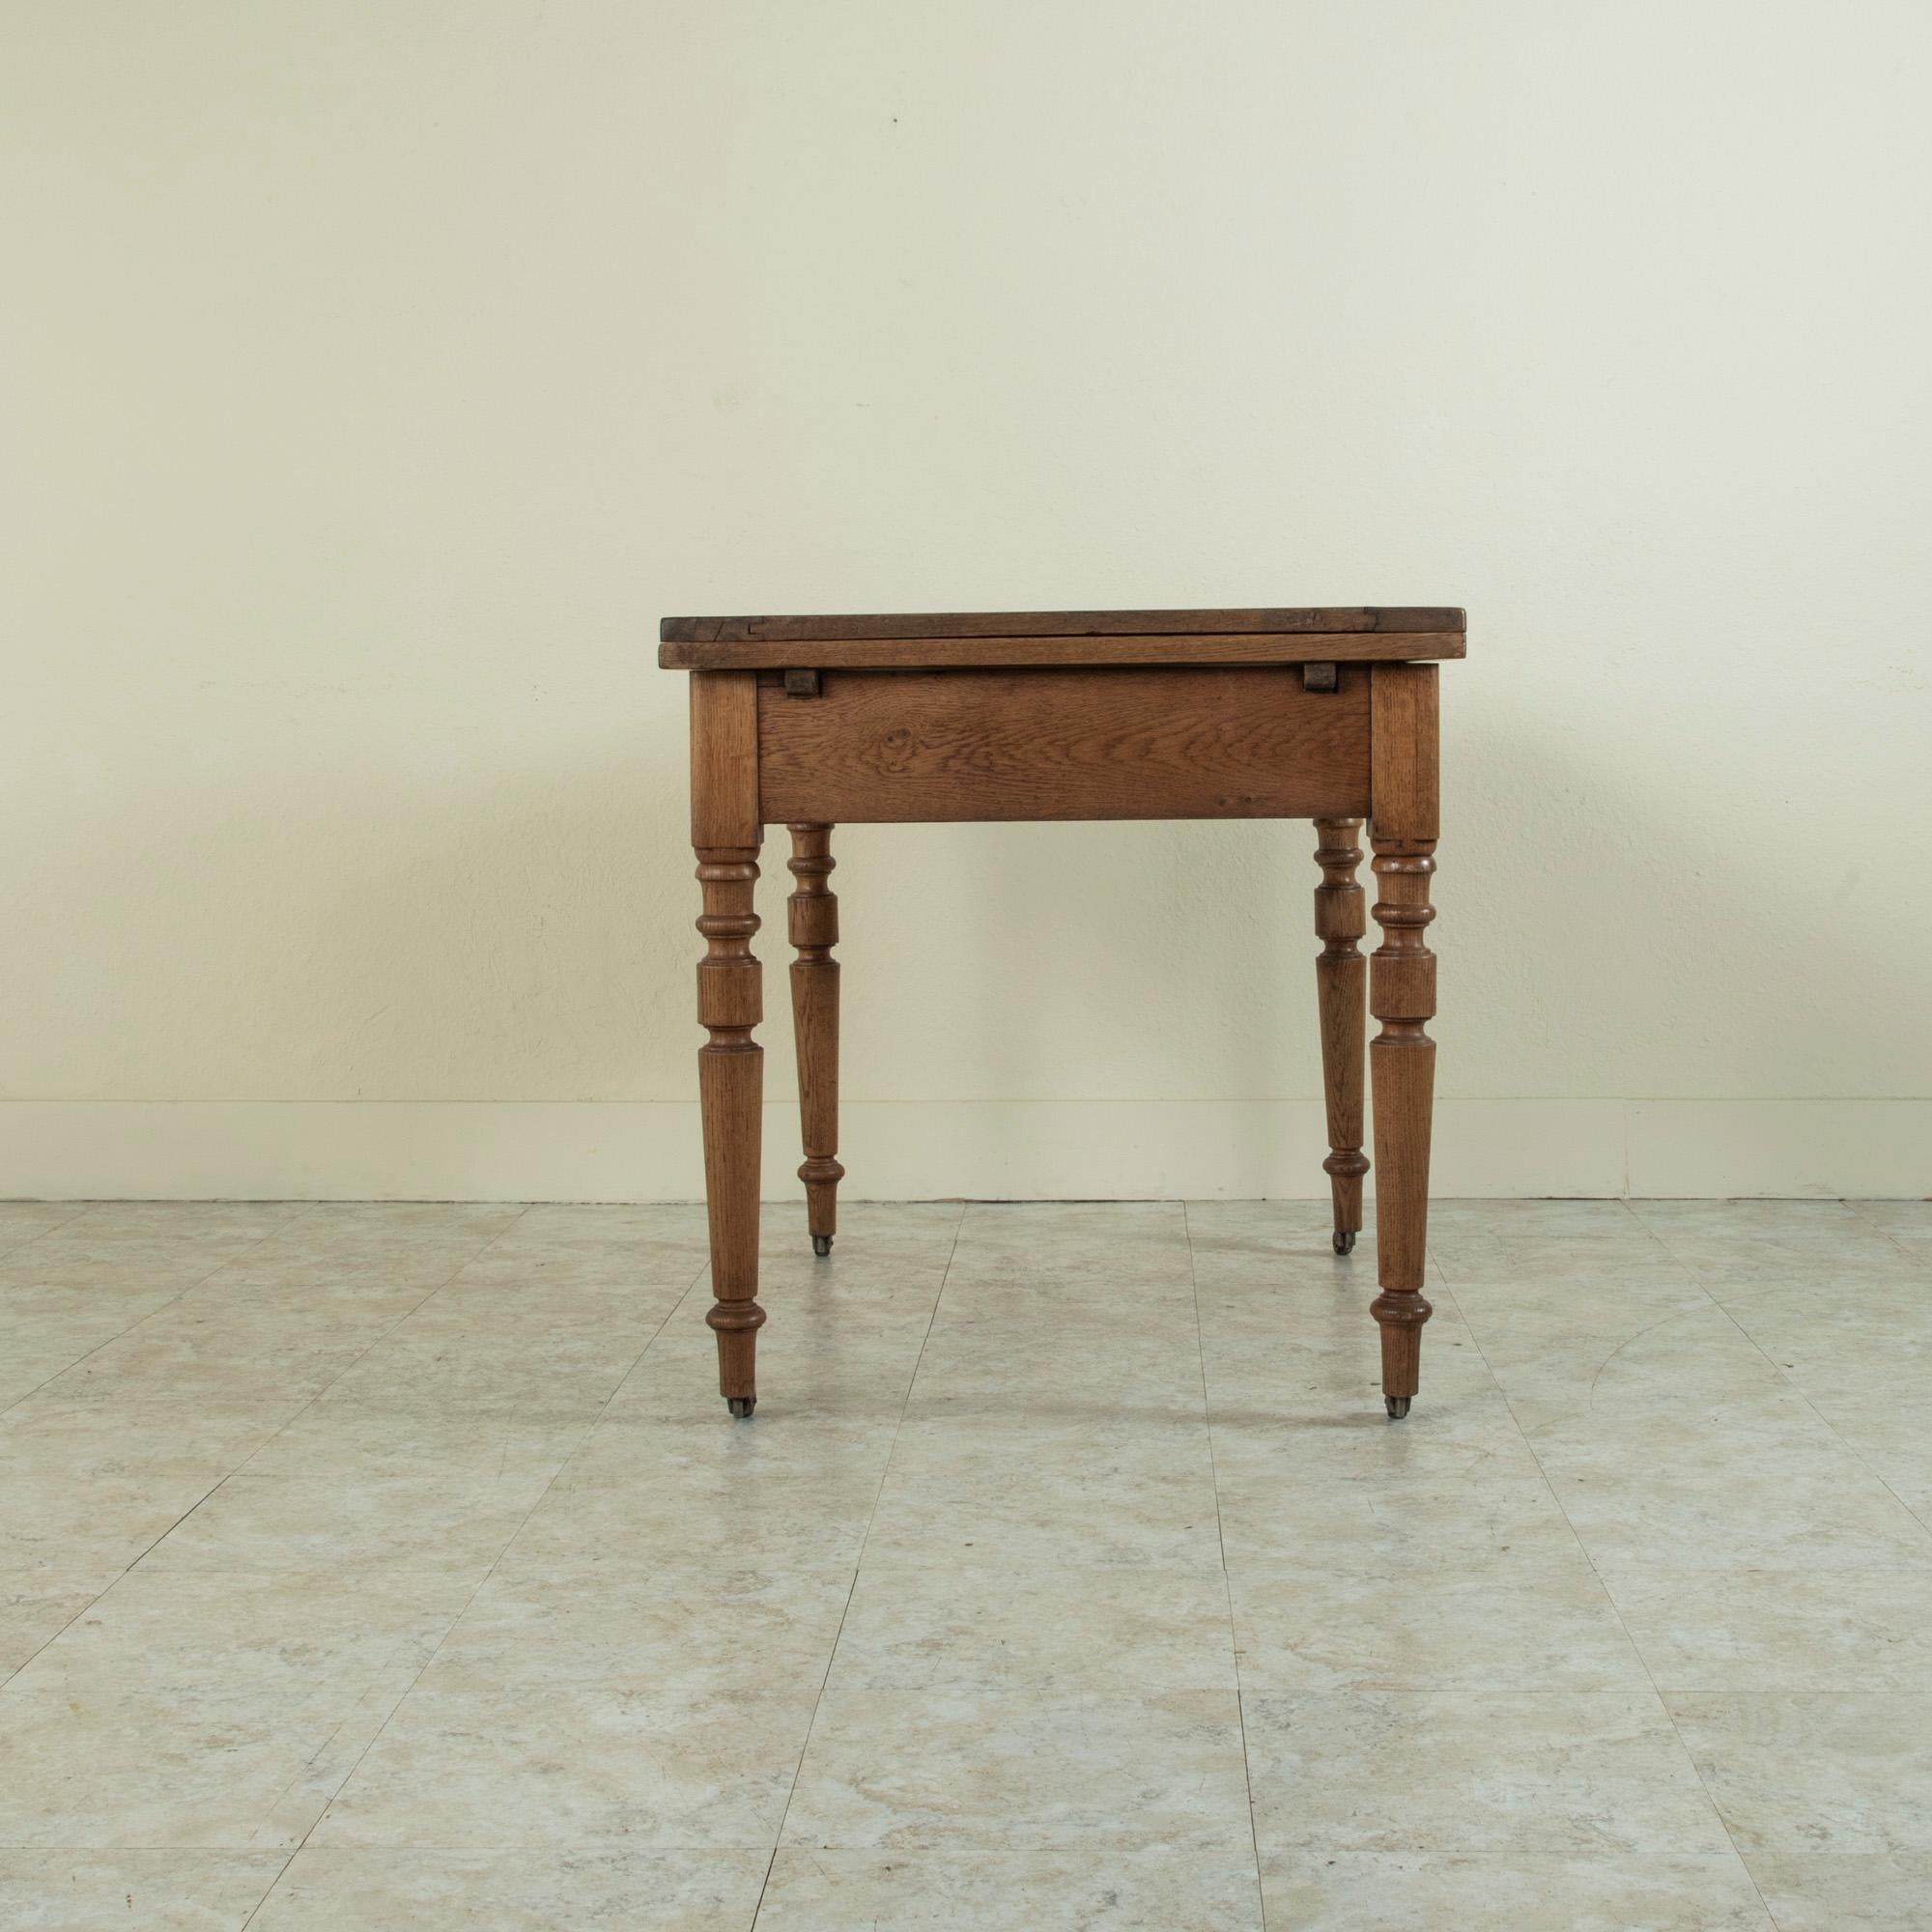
(726, 834)
(1342, 988)
(1402, 996)
(730, 1083)
(812, 919)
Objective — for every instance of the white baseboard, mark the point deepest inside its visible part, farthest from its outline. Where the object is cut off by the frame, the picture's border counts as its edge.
(1130, 1150)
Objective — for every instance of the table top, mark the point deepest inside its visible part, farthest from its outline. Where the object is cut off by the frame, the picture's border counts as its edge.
(910, 639)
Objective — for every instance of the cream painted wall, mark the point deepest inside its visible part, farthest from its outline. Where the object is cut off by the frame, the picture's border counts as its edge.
(376, 375)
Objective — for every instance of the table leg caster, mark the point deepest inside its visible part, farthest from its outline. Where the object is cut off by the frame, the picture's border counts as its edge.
(822, 1245)
(744, 1404)
(1344, 1241)
(1398, 1406)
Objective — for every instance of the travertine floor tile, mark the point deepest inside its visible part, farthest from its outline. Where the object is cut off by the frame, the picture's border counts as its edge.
(90, 1485)
(1056, 1629)
(1872, 1347)
(35, 1314)
(1746, 1219)
(1307, 1437)
(219, 1341)
(1845, 1891)
(1581, 1772)
(26, 1371)
(1767, 1484)
(1827, 1771)
(24, 1221)
(1068, 1240)
(342, 1889)
(451, 1529)
(551, 1254)
(141, 1891)
(1463, 1218)
(1905, 1221)
(843, 1346)
(1018, 1769)
(1428, 1517)
(148, 1244)
(593, 1231)
(453, 1361)
(458, 1546)
(397, 1244)
(796, 1490)
(1115, 1888)
(1793, 1628)
(551, 1274)
(44, 1331)
(1892, 1436)
(36, 1605)
(296, 1651)
(1274, 1238)
(1316, 1432)
(883, 1233)
(575, 1764)
(635, 1618)
(411, 1440)
(1741, 1247)
(1401, 1891)
(1633, 1355)
(1539, 1240)
(146, 1773)
(1630, 1250)
(343, 1488)
(1014, 1490)
(1267, 1353)
(1032, 1358)
(1530, 1619)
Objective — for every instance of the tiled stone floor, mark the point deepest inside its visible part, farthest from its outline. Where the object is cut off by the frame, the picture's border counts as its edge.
(394, 1566)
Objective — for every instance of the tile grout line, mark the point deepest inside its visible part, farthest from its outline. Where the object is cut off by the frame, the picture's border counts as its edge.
(1643, 1662)
(348, 1728)
(273, 1234)
(77, 1209)
(671, 1315)
(289, 1421)
(122, 1574)
(1798, 1389)
(469, 1601)
(375, 1341)
(179, 1295)
(846, 1610)
(1879, 1228)
(1227, 1582)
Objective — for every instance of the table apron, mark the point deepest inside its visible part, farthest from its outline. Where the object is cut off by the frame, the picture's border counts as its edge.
(1176, 742)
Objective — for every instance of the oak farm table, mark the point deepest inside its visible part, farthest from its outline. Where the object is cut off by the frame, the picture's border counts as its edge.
(808, 722)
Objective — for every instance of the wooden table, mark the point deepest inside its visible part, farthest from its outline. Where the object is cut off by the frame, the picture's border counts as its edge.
(808, 722)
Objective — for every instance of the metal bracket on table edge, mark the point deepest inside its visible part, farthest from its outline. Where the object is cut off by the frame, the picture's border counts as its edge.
(801, 684)
(1317, 677)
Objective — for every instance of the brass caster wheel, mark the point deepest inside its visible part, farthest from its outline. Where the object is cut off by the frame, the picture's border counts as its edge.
(744, 1404)
(1344, 1241)
(822, 1245)
(1398, 1406)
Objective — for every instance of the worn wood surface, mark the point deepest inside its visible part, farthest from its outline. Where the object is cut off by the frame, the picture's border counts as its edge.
(1405, 750)
(812, 919)
(1341, 985)
(1209, 647)
(1179, 743)
(1402, 996)
(724, 758)
(1059, 623)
